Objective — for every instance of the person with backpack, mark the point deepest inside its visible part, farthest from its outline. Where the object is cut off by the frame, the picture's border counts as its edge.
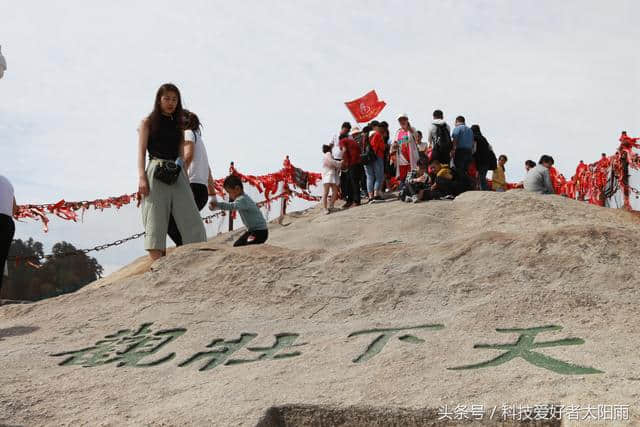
(373, 159)
(439, 138)
(484, 157)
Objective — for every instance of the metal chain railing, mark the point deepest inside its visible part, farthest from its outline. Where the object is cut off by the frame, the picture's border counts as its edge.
(18, 258)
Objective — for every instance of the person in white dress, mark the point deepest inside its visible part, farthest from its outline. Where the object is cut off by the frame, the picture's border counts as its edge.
(330, 177)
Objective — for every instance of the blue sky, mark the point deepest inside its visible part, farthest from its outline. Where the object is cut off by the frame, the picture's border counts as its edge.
(269, 78)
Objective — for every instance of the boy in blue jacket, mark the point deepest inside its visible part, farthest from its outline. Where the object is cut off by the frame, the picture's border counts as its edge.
(257, 231)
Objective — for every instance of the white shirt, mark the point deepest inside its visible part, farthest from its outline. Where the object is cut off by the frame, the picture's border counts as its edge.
(6, 197)
(336, 152)
(199, 168)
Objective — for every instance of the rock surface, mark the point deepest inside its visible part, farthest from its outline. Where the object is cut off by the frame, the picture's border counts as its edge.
(453, 271)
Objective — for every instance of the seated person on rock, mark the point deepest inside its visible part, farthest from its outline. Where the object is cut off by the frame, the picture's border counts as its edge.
(444, 184)
(417, 180)
(538, 179)
(257, 231)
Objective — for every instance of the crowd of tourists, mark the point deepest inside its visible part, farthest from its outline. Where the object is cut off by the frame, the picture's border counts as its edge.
(368, 163)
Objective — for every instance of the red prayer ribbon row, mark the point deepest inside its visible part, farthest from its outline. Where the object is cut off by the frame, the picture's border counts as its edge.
(288, 176)
(590, 180)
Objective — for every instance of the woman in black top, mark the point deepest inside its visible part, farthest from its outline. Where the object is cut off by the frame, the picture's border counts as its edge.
(161, 135)
(484, 157)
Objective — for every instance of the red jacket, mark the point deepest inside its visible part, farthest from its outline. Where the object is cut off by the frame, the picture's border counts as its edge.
(351, 151)
(377, 144)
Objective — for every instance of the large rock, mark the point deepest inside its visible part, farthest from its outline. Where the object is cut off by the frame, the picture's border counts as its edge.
(447, 275)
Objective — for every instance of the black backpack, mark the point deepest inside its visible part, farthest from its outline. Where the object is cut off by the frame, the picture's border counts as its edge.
(442, 139)
(368, 155)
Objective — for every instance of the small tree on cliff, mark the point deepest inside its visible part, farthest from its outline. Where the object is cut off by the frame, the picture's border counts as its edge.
(55, 276)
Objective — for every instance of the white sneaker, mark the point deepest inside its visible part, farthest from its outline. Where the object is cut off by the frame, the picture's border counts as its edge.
(414, 199)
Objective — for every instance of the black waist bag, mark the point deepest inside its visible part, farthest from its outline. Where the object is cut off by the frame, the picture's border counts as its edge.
(167, 172)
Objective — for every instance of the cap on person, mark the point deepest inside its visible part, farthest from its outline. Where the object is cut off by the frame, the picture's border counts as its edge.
(355, 130)
(403, 116)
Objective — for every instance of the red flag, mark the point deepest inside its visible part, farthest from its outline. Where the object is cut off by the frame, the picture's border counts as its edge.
(366, 108)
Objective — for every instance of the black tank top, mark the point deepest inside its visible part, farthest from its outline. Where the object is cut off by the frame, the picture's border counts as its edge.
(164, 141)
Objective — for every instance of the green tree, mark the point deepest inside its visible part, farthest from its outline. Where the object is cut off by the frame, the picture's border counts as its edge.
(55, 276)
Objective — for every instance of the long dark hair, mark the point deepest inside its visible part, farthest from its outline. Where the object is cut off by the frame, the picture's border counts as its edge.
(192, 121)
(476, 131)
(156, 114)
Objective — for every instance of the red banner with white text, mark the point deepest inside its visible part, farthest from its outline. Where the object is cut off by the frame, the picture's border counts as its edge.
(366, 108)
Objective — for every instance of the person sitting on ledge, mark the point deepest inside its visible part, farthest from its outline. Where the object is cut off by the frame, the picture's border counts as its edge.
(444, 184)
(257, 231)
(498, 179)
(416, 180)
(538, 179)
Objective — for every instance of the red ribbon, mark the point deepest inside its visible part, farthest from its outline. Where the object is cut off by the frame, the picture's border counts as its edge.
(590, 181)
(268, 184)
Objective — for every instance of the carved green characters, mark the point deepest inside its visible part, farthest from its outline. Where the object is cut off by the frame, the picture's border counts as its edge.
(125, 348)
(221, 350)
(524, 347)
(384, 335)
(137, 348)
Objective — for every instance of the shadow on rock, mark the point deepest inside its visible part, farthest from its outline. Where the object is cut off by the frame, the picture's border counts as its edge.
(16, 331)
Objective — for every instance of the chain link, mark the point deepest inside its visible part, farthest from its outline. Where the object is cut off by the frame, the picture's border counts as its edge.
(96, 248)
(78, 251)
